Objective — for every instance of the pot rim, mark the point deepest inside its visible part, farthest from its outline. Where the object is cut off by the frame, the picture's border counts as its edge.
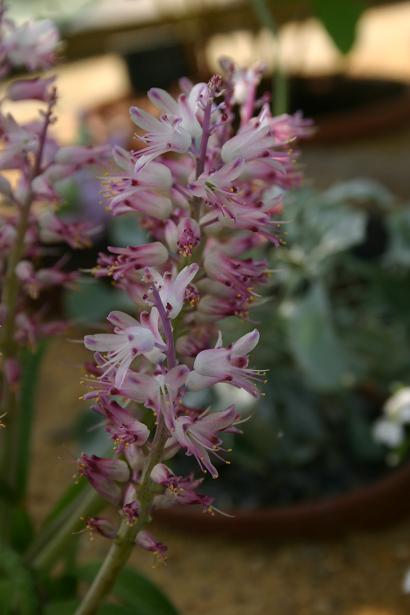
(372, 506)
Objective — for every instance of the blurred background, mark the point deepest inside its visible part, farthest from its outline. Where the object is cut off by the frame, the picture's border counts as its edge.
(337, 328)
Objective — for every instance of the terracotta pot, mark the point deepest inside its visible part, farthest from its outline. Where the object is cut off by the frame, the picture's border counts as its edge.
(371, 507)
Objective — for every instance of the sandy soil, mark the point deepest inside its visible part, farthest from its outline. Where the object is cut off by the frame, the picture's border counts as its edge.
(359, 575)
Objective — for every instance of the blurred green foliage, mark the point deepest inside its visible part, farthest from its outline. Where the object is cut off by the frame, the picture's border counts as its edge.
(339, 18)
(335, 336)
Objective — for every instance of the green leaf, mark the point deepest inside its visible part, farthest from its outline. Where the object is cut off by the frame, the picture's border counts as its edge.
(337, 228)
(61, 607)
(53, 535)
(91, 301)
(116, 609)
(360, 192)
(89, 436)
(340, 18)
(318, 350)
(7, 493)
(21, 529)
(61, 588)
(322, 225)
(364, 446)
(31, 363)
(134, 590)
(6, 592)
(124, 231)
(17, 590)
(69, 495)
(301, 418)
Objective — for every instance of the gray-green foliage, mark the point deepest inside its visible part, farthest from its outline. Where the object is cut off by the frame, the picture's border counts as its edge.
(335, 335)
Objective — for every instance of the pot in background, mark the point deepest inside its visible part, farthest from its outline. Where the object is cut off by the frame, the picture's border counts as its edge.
(372, 507)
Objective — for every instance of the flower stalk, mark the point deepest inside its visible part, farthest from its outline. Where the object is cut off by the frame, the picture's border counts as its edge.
(28, 221)
(214, 199)
(8, 347)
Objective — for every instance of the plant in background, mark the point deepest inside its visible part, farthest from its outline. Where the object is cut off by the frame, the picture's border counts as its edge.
(33, 167)
(207, 194)
(30, 221)
(338, 301)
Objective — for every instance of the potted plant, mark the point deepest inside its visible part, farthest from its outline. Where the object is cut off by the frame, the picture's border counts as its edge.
(308, 462)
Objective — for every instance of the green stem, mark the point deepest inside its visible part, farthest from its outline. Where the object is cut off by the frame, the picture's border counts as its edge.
(123, 545)
(279, 81)
(49, 545)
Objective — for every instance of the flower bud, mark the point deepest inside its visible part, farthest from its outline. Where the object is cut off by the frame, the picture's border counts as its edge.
(31, 89)
(189, 236)
(147, 541)
(101, 526)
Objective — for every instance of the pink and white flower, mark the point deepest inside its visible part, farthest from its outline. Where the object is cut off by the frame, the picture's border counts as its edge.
(199, 435)
(220, 189)
(106, 475)
(146, 541)
(32, 44)
(129, 340)
(123, 428)
(179, 489)
(177, 130)
(144, 189)
(226, 365)
(158, 391)
(54, 229)
(19, 141)
(102, 526)
(35, 88)
(171, 287)
(125, 262)
(184, 237)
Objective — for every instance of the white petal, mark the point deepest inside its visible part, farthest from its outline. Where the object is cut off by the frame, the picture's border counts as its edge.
(245, 344)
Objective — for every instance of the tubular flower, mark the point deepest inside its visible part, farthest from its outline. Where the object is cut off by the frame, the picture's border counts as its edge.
(145, 190)
(101, 526)
(126, 261)
(105, 475)
(35, 88)
(199, 436)
(226, 365)
(241, 274)
(178, 127)
(129, 340)
(178, 489)
(189, 235)
(172, 288)
(159, 392)
(146, 541)
(161, 136)
(218, 189)
(122, 426)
